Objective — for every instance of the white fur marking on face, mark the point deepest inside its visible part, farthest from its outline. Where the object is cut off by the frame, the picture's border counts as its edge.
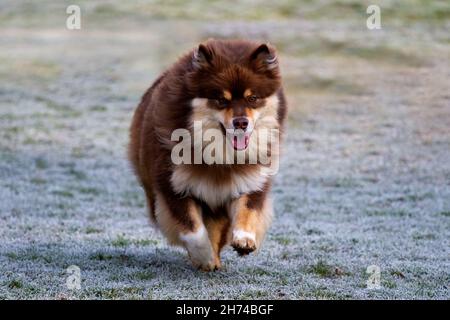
(241, 234)
(255, 115)
(209, 117)
(199, 102)
(268, 117)
(198, 246)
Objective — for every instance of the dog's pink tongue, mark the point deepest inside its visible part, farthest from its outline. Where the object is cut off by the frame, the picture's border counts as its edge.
(240, 141)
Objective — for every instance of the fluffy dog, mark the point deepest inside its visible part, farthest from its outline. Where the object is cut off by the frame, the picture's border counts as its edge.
(211, 193)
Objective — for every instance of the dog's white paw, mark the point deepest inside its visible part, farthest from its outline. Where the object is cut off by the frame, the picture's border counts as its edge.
(200, 250)
(243, 242)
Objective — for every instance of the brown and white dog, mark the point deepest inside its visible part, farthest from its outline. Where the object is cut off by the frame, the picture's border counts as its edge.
(233, 87)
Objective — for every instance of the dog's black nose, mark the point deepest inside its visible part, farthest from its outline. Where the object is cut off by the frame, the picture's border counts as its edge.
(240, 123)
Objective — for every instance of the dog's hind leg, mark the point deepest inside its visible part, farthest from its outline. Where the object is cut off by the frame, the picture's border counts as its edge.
(251, 216)
(181, 221)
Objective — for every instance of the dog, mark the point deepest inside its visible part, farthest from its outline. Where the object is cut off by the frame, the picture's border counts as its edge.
(232, 88)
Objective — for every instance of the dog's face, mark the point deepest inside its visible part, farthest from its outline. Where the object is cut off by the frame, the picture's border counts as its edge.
(235, 85)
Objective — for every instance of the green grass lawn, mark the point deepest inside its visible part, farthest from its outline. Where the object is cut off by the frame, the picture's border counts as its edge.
(364, 178)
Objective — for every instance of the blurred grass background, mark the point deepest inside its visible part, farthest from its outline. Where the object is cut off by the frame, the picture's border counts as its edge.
(45, 13)
(310, 30)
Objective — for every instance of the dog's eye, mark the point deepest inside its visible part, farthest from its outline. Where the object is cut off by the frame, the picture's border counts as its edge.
(252, 99)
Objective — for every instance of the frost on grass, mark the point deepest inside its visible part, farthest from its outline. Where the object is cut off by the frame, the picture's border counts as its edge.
(364, 178)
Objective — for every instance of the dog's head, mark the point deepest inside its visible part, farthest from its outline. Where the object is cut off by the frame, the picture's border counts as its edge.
(235, 86)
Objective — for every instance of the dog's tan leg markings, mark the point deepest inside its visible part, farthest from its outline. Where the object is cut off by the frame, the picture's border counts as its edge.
(195, 240)
(244, 228)
(218, 234)
(249, 225)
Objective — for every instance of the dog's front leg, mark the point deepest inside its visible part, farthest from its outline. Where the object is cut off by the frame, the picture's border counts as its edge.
(181, 221)
(251, 216)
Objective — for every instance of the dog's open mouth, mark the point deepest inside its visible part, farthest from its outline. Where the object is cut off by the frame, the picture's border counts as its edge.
(240, 141)
(239, 138)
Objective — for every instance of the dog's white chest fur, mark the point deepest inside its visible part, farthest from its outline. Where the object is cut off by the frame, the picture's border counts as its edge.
(216, 193)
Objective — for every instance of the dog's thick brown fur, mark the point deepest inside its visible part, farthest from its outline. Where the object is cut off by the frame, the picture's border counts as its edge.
(204, 207)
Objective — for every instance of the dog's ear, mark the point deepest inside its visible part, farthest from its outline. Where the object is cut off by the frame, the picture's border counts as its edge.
(264, 58)
(202, 57)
